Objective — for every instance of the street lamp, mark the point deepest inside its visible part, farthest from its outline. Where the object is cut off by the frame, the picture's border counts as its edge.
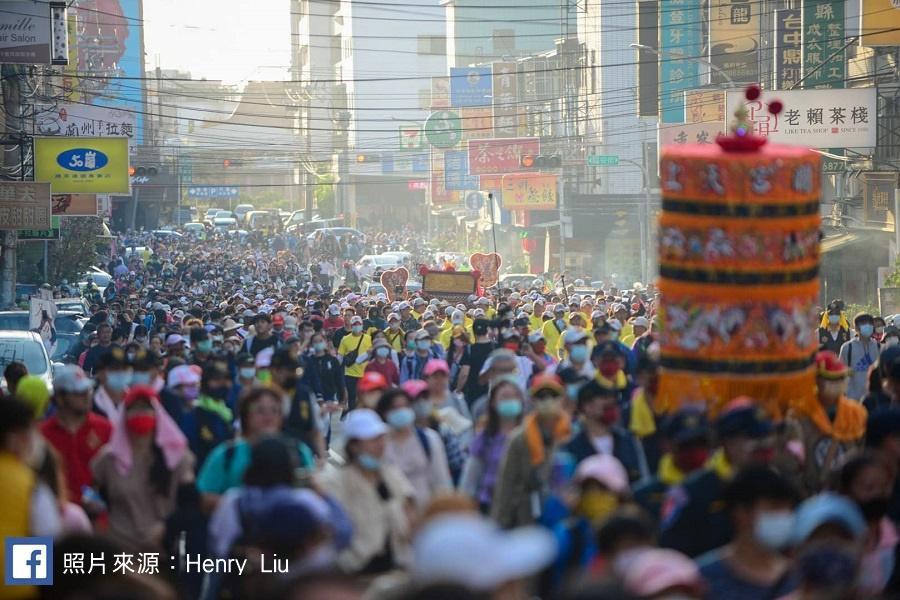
(729, 82)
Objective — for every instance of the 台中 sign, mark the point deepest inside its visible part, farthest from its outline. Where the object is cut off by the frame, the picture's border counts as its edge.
(489, 157)
(529, 191)
(25, 33)
(834, 118)
(24, 205)
(788, 48)
(89, 165)
(213, 192)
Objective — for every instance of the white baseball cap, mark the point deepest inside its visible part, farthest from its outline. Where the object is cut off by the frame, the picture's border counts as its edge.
(471, 550)
(363, 424)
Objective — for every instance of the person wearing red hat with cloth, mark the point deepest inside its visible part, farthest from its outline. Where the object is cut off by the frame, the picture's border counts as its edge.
(831, 425)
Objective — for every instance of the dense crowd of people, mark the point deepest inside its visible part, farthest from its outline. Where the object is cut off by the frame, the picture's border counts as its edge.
(243, 401)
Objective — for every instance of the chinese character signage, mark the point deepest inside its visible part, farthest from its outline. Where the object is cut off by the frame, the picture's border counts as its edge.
(75, 205)
(440, 195)
(213, 192)
(840, 118)
(506, 100)
(690, 133)
(89, 165)
(704, 106)
(456, 172)
(734, 39)
(24, 205)
(470, 86)
(680, 44)
(477, 122)
(440, 92)
(529, 191)
(878, 198)
(788, 48)
(26, 235)
(823, 36)
(25, 33)
(489, 157)
(880, 23)
(80, 120)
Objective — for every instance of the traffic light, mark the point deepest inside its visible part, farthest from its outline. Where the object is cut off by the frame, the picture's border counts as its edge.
(368, 158)
(142, 171)
(226, 163)
(229, 163)
(541, 162)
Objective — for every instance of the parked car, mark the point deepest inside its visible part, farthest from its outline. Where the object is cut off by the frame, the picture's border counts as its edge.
(369, 263)
(100, 278)
(165, 234)
(74, 305)
(224, 223)
(211, 213)
(298, 217)
(25, 347)
(261, 219)
(405, 257)
(68, 326)
(197, 229)
(241, 210)
(335, 231)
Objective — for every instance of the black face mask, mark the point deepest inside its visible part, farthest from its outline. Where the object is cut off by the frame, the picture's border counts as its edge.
(219, 393)
(874, 509)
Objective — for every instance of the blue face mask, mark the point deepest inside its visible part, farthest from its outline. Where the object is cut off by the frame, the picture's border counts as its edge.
(369, 462)
(578, 353)
(773, 529)
(382, 352)
(248, 372)
(319, 346)
(356, 328)
(866, 330)
(509, 408)
(140, 378)
(561, 323)
(401, 418)
(117, 381)
(572, 390)
(423, 344)
(204, 346)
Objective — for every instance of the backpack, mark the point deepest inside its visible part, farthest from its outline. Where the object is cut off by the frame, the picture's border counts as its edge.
(423, 439)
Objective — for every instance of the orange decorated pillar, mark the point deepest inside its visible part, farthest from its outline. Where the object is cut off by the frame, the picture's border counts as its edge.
(739, 265)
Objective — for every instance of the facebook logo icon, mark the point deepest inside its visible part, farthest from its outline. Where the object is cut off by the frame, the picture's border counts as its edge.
(29, 561)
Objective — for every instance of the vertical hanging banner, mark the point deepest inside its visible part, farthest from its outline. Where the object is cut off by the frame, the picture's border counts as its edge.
(456, 172)
(477, 122)
(440, 92)
(506, 100)
(880, 23)
(788, 48)
(823, 36)
(734, 39)
(680, 42)
(704, 106)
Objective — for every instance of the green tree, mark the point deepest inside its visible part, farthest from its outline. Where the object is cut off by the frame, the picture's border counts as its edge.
(324, 196)
(69, 257)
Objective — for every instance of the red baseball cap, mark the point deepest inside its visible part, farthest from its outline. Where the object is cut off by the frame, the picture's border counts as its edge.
(372, 380)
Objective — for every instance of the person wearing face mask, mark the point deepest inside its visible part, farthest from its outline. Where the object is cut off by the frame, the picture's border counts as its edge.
(323, 375)
(859, 354)
(138, 472)
(201, 345)
(693, 520)
(419, 453)
(303, 421)
(601, 431)
(891, 338)
(353, 345)
(609, 363)
(553, 330)
(470, 368)
(760, 503)
(113, 377)
(685, 441)
(831, 425)
(577, 354)
(76, 432)
(601, 487)
(506, 406)
(208, 420)
(457, 319)
(382, 362)
(376, 495)
(395, 336)
(867, 479)
(834, 331)
(412, 365)
(525, 471)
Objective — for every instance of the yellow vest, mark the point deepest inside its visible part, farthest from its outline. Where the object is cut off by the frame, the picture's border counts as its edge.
(396, 341)
(553, 338)
(17, 482)
(535, 323)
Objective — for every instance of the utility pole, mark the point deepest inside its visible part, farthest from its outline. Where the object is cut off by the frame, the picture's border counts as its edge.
(12, 161)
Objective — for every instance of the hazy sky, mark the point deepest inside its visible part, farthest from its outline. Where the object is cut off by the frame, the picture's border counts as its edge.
(232, 40)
